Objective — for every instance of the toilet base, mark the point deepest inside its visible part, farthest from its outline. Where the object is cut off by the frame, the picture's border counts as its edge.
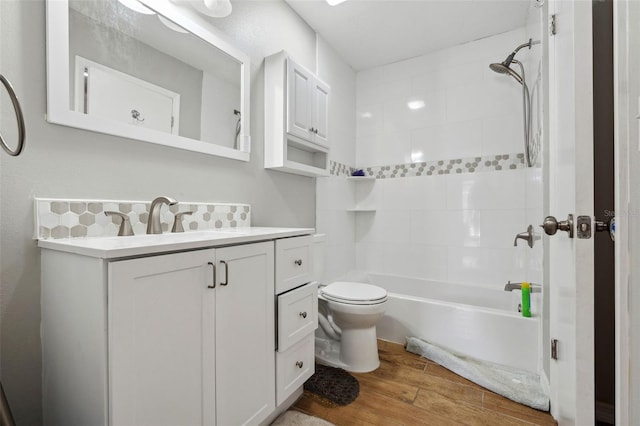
(328, 353)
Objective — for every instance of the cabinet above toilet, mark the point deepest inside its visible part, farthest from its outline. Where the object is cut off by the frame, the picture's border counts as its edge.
(296, 118)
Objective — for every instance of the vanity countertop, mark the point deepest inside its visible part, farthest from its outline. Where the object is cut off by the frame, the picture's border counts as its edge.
(119, 247)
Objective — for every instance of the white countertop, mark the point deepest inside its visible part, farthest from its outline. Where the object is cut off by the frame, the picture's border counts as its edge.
(117, 247)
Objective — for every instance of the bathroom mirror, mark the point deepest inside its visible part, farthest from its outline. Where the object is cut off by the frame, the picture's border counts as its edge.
(154, 72)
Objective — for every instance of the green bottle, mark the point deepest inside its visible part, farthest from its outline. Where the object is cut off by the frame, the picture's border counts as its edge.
(526, 300)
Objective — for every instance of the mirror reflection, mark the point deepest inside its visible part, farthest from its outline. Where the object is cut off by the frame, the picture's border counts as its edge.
(140, 68)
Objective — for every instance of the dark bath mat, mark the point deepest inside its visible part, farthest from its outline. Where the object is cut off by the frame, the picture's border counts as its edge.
(333, 384)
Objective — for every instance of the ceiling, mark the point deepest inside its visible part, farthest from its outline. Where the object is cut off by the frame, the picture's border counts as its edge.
(370, 33)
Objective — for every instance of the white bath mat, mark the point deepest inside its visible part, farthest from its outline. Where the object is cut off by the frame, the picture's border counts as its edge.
(517, 385)
(296, 418)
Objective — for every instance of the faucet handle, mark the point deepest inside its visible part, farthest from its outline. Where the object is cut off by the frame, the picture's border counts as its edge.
(177, 221)
(125, 229)
(529, 236)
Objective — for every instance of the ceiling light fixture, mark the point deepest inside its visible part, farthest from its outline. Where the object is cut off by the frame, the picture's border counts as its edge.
(136, 6)
(212, 8)
(169, 24)
(335, 2)
(415, 105)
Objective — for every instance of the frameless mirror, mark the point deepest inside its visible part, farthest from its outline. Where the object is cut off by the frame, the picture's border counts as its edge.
(155, 72)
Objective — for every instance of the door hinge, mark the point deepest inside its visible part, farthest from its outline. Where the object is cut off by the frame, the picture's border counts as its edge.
(552, 24)
(554, 349)
(172, 120)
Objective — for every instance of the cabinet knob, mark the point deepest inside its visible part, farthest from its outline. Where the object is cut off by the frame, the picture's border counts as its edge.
(303, 314)
(298, 262)
(299, 364)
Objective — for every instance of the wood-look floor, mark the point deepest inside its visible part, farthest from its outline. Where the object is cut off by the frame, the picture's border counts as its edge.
(410, 390)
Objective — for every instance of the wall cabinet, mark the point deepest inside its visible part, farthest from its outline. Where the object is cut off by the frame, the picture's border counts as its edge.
(184, 338)
(296, 118)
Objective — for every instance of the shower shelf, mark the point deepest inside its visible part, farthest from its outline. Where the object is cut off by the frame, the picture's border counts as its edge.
(363, 178)
(358, 201)
(357, 210)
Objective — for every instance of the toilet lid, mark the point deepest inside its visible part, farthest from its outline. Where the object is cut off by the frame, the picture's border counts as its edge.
(354, 293)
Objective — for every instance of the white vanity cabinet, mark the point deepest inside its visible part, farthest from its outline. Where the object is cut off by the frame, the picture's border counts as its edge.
(159, 340)
(297, 315)
(296, 118)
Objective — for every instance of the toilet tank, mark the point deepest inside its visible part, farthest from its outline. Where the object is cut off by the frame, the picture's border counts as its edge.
(317, 251)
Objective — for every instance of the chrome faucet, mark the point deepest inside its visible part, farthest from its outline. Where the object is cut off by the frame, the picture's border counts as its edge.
(153, 223)
(509, 286)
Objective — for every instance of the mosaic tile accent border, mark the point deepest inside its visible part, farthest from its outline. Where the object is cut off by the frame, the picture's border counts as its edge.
(57, 218)
(489, 163)
(339, 169)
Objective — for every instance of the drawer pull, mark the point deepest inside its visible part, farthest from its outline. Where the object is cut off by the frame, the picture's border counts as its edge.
(298, 262)
(303, 314)
(299, 364)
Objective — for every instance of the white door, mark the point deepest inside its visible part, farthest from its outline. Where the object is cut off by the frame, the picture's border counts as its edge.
(109, 94)
(161, 360)
(569, 189)
(627, 152)
(299, 93)
(245, 334)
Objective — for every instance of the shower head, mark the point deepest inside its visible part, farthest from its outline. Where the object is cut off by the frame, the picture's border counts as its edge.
(502, 68)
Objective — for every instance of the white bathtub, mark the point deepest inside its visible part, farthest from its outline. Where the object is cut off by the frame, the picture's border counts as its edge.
(476, 321)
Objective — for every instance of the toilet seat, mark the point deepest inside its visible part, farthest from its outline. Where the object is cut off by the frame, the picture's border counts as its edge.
(352, 293)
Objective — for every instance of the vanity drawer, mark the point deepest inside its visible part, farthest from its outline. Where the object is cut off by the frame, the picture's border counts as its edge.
(293, 262)
(297, 315)
(294, 367)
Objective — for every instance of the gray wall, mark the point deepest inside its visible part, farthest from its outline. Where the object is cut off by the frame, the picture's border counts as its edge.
(64, 162)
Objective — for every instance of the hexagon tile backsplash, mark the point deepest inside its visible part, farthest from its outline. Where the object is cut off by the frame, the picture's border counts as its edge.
(58, 218)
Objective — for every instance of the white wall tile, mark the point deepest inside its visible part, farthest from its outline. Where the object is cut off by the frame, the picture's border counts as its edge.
(369, 119)
(339, 261)
(369, 257)
(477, 265)
(447, 141)
(398, 116)
(368, 194)
(463, 228)
(503, 134)
(481, 191)
(429, 227)
(499, 228)
(415, 260)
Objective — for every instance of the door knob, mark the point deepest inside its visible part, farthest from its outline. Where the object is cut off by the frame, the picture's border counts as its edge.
(551, 225)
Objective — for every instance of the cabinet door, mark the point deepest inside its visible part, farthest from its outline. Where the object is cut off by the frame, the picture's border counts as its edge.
(161, 347)
(320, 110)
(245, 334)
(299, 105)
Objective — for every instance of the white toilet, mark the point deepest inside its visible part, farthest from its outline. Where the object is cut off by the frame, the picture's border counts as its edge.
(347, 315)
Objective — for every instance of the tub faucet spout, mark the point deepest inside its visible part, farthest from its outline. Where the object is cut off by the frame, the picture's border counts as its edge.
(509, 286)
(153, 223)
